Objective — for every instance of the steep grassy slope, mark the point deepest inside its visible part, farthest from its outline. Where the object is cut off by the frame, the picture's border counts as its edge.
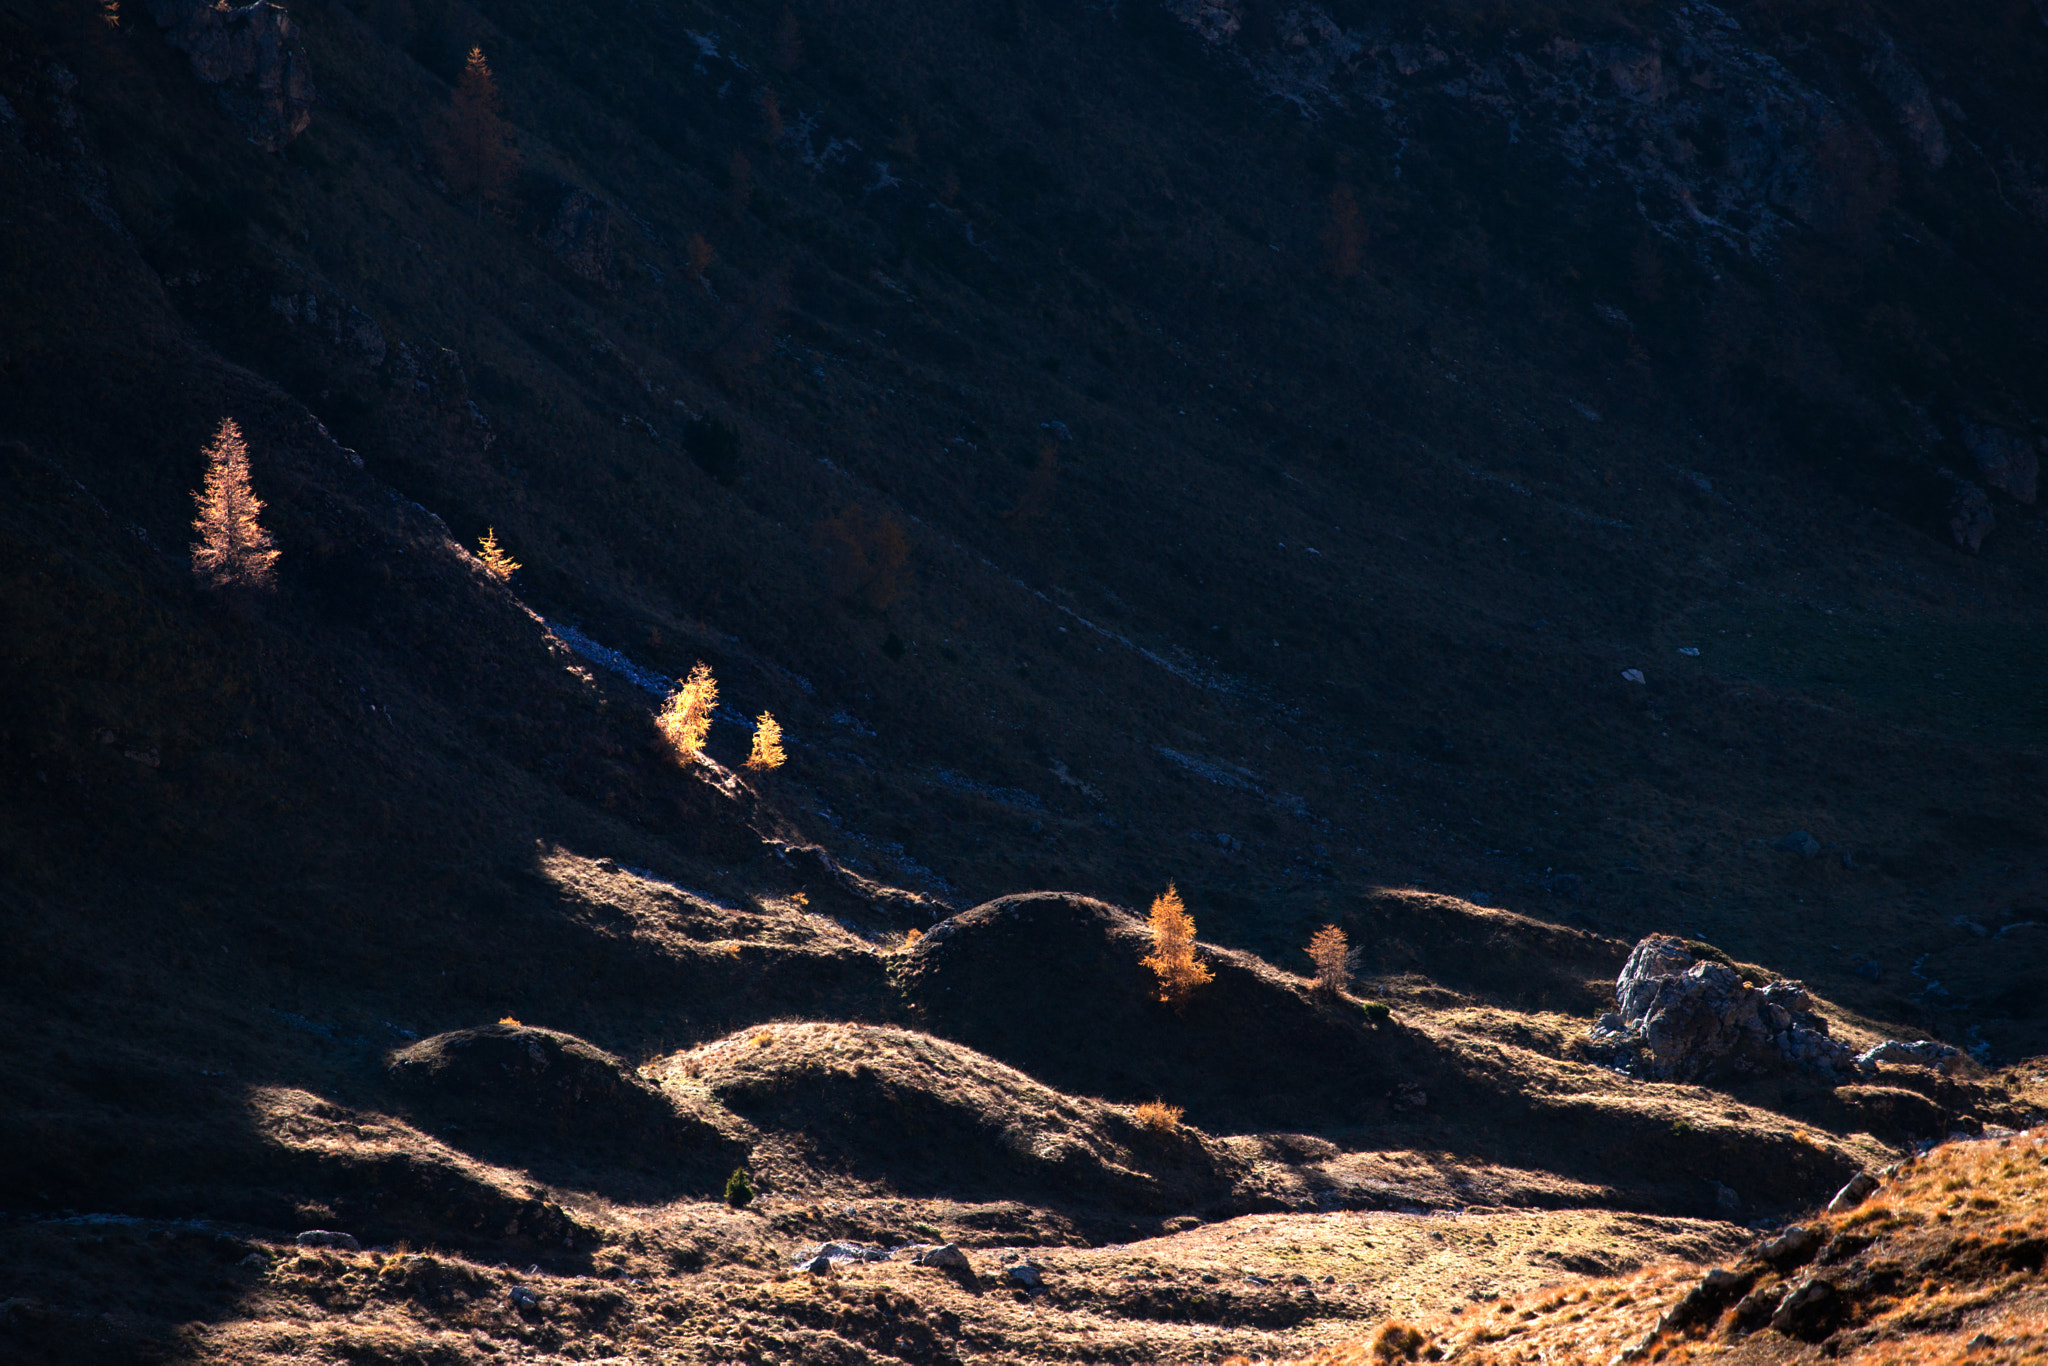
(990, 394)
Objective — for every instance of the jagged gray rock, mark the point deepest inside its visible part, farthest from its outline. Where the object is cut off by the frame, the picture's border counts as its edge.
(1805, 1310)
(580, 237)
(946, 1257)
(253, 55)
(1853, 1194)
(327, 1237)
(821, 1257)
(1794, 1247)
(1681, 1019)
(2006, 459)
(1919, 1053)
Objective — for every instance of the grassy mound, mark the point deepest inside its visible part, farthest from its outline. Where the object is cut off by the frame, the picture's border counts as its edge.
(931, 1117)
(1052, 983)
(518, 1092)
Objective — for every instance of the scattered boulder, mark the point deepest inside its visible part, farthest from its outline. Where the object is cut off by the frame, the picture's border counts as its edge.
(1807, 1312)
(253, 55)
(524, 1300)
(1682, 1019)
(1853, 1194)
(327, 1237)
(1794, 1247)
(1799, 842)
(1704, 1302)
(1919, 1053)
(1027, 1274)
(1754, 1310)
(946, 1257)
(821, 1257)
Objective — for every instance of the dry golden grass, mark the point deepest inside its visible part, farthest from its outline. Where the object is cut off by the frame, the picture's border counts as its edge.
(1942, 1265)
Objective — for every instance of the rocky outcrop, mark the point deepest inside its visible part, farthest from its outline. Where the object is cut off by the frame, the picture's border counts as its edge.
(349, 329)
(580, 237)
(1683, 1019)
(1715, 136)
(1919, 1053)
(253, 56)
(1970, 517)
(2006, 459)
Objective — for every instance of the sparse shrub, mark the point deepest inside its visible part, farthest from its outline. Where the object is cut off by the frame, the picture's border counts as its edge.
(685, 718)
(1330, 951)
(233, 549)
(1160, 1117)
(500, 565)
(1172, 959)
(1377, 1013)
(766, 753)
(474, 142)
(739, 1191)
(1398, 1341)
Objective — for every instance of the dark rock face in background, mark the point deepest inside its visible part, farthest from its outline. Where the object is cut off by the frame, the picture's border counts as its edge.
(254, 55)
(581, 238)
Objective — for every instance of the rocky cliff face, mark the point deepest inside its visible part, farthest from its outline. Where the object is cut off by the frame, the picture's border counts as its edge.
(253, 56)
(1759, 140)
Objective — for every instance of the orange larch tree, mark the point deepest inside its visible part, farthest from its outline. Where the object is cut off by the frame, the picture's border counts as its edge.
(233, 549)
(474, 143)
(1172, 959)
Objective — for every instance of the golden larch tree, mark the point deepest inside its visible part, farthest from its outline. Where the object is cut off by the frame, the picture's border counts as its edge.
(1172, 959)
(1330, 951)
(685, 719)
(474, 143)
(497, 562)
(233, 549)
(766, 753)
